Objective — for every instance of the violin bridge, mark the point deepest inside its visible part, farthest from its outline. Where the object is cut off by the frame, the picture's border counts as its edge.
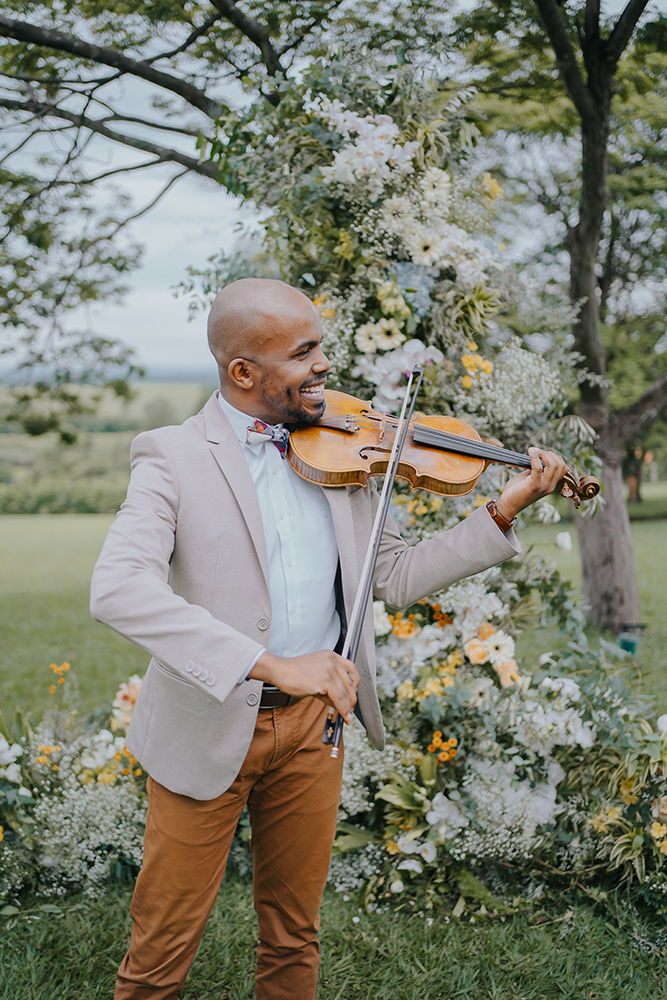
(382, 428)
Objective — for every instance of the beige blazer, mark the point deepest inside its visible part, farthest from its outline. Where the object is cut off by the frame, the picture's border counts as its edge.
(183, 574)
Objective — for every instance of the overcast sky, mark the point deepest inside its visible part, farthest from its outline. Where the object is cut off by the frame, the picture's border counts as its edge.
(193, 221)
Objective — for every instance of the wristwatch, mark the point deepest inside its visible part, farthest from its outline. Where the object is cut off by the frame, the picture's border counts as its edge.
(500, 520)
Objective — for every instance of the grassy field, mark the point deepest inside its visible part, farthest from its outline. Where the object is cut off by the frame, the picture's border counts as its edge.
(569, 953)
(568, 950)
(46, 565)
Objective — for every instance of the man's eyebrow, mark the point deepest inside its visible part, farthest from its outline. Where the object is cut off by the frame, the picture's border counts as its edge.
(304, 344)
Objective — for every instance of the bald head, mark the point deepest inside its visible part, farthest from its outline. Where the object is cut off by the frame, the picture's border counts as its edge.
(246, 313)
(267, 339)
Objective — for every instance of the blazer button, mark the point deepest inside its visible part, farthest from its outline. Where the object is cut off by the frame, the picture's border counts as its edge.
(204, 674)
(196, 670)
(263, 624)
(210, 680)
(189, 666)
(252, 698)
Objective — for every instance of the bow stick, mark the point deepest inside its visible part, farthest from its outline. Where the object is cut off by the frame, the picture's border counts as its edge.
(333, 727)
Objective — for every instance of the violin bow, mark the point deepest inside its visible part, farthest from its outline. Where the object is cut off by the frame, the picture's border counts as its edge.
(333, 727)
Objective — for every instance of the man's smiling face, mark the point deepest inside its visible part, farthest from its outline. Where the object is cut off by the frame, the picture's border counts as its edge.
(267, 340)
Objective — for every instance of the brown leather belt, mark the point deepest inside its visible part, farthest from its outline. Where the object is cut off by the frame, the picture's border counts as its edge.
(273, 697)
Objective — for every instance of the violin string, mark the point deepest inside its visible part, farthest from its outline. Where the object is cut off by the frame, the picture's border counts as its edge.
(456, 443)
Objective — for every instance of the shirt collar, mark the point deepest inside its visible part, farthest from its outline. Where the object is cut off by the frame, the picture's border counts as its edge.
(240, 422)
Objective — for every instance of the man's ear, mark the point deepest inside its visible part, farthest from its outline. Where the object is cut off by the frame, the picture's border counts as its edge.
(241, 373)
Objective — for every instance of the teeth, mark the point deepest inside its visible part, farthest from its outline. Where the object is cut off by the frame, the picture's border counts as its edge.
(313, 390)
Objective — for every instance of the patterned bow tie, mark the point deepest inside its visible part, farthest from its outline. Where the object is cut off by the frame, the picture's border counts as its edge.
(259, 433)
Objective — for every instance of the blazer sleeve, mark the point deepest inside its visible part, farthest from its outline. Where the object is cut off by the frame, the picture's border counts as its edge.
(406, 573)
(130, 588)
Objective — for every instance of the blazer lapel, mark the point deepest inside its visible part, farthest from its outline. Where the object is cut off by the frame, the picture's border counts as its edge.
(341, 514)
(227, 452)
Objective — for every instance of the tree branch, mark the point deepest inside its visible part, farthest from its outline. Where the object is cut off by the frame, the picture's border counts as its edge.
(628, 425)
(51, 39)
(566, 58)
(163, 154)
(623, 29)
(197, 33)
(254, 32)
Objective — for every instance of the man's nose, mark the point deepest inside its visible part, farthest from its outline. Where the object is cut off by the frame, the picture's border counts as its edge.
(321, 362)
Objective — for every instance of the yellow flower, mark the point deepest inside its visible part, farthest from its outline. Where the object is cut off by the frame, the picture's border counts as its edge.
(598, 822)
(467, 381)
(492, 187)
(455, 659)
(446, 681)
(2, 834)
(107, 776)
(658, 830)
(468, 361)
(436, 504)
(663, 847)
(321, 299)
(614, 813)
(327, 313)
(627, 795)
(486, 630)
(392, 847)
(432, 686)
(421, 509)
(476, 651)
(486, 366)
(405, 691)
(52, 689)
(471, 345)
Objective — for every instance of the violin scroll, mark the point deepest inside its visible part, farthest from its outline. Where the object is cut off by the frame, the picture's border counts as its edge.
(587, 488)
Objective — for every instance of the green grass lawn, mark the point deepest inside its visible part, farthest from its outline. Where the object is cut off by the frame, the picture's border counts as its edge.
(649, 540)
(570, 951)
(46, 562)
(567, 953)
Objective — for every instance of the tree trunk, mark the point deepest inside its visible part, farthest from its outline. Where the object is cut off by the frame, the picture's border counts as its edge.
(609, 582)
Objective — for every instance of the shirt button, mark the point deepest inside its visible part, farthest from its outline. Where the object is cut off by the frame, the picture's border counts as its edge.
(281, 515)
(263, 624)
(293, 609)
(274, 472)
(252, 698)
(289, 562)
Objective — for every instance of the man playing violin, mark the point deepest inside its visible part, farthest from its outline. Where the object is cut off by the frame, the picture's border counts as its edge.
(236, 575)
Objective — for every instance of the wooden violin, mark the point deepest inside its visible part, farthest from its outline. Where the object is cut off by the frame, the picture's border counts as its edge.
(441, 454)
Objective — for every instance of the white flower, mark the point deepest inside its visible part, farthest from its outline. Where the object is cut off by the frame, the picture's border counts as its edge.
(124, 702)
(397, 213)
(564, 541)
(410, 865)
(447, 816)
(547, 513)
(662, 723)
(428, 851)
(381, 623)
(12, 773)
(388, 334)
(407, 846)
(424, 247)
(499, 646)
(436, 187)
(396, 886)
(481, 692)
(8, 754)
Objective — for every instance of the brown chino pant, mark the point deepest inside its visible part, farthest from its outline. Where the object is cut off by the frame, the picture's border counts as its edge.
(292, 787)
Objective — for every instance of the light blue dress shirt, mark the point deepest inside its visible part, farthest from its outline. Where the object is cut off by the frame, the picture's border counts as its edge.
(301, 549)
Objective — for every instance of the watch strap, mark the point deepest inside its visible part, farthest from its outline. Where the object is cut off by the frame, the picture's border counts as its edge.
(500, 520)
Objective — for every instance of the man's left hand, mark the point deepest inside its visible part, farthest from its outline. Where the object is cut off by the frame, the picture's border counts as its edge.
(525, 488)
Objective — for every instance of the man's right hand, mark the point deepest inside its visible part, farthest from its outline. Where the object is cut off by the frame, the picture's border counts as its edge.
(324, 675)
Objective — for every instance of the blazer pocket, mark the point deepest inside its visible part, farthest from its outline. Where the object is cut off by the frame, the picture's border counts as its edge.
(170, 686)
